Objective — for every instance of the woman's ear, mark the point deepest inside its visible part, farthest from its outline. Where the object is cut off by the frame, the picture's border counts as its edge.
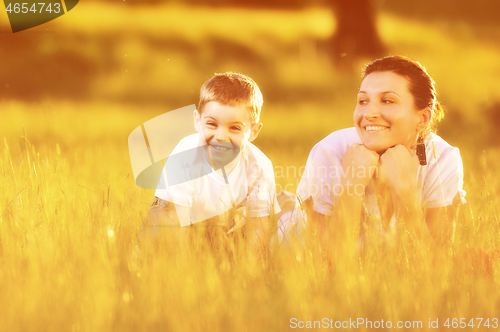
(256, 128)
(197, 120)
(425, 119)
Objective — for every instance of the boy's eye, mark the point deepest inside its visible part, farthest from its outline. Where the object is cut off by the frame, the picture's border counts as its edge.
(235, 128)
(211, 124)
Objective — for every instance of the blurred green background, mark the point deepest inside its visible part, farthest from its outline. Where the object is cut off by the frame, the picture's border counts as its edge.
(93, 75)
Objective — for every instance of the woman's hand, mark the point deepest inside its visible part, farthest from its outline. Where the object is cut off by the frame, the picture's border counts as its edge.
(398, 169)
(359, 164)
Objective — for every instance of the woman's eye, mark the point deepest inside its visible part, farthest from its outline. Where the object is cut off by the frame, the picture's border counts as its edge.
(387, 101)
(362, 101)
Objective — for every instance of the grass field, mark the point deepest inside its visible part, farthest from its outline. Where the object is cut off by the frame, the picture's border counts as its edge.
(70, 210)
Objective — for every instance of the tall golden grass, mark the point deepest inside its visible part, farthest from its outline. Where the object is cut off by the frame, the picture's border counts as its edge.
(70, 214)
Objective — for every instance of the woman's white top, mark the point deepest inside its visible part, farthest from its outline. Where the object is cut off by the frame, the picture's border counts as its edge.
(438, 182)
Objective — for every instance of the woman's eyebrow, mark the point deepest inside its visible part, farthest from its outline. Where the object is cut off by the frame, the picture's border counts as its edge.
(383, 92)
(391, 92)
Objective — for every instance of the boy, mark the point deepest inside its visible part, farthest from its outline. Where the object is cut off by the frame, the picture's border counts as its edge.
(217, 177)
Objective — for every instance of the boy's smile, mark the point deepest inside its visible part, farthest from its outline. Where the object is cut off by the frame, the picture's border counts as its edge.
(226, 130)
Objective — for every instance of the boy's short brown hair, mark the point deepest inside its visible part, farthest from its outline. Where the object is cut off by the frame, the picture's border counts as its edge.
(232, 89)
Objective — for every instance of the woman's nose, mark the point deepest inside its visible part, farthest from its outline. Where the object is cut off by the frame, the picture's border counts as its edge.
(371, 111)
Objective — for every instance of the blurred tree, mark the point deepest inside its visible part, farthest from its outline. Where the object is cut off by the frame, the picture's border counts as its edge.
(258, 4)
(36, 65)
(356, 35)
(476, 13)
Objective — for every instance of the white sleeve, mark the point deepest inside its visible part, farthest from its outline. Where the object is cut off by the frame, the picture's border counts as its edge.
(322, 174)
(262, 199)
(444, 180)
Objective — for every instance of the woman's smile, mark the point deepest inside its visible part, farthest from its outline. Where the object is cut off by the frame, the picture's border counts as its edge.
(375, 128)
(385, 113)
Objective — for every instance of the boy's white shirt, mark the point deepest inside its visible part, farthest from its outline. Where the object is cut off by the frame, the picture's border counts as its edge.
(438, 182)
(208, 195)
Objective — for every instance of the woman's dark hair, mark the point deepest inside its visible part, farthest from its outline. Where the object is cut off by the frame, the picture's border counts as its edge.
(421, 85)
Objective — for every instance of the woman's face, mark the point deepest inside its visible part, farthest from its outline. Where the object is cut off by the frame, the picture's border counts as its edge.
(385, 114)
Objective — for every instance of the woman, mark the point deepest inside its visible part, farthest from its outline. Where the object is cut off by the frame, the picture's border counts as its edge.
(391, 165)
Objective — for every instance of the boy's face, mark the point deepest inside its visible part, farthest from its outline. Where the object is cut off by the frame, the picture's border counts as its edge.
(226, 130)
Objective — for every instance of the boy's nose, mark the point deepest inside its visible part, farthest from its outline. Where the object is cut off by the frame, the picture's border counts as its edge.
(221, 135)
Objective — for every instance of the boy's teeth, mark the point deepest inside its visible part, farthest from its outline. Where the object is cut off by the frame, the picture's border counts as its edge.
(375, 128)
(220, 148)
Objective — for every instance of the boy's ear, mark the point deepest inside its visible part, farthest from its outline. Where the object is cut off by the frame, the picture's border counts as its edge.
(256, 128)
(197, 120)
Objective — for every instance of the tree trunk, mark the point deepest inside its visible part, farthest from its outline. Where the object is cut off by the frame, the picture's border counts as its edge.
(356, 34)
